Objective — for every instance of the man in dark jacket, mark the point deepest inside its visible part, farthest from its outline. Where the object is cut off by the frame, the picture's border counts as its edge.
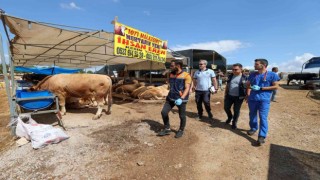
(180, 82)
(234, 94)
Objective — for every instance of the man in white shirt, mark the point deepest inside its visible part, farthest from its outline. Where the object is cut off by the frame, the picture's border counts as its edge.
(203, 79)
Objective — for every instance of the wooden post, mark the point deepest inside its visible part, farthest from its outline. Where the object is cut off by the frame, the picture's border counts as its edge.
(150, 72)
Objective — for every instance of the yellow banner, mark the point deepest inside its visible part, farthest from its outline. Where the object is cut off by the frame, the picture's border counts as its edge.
(133, 43)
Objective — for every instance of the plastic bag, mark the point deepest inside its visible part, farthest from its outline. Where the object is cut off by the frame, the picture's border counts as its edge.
(24, 123)
(39, 134)
(43, 135)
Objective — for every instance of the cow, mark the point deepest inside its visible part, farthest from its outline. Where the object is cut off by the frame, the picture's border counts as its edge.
(155, 93)
(87, 86)
(33, 78)
(78, 103)
(116, 85)
(137, 92)
(304, 77)
(129, 88)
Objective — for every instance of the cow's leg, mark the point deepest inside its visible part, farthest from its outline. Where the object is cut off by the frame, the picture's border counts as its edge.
(100, 107)
(62, 103)
(94, 102)
(109, 102)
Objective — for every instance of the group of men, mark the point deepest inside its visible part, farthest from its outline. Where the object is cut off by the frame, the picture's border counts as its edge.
(256, 89)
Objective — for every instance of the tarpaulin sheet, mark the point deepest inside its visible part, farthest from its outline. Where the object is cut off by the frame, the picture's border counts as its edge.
(44, 44)
(46, 71)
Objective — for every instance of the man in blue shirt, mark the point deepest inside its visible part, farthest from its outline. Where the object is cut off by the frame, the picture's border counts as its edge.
(259, 89)
(203, 79)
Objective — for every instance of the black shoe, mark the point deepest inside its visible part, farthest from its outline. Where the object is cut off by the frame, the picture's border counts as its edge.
(251, 132)
(210, 116)
(179, 134)
(261, 140)
(228, 121)
(164, 132)
(234, 126)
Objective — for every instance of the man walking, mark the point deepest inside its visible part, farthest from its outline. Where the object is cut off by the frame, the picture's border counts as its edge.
(220, 76)
(274, 92)
(203, 80)
(235, 93)
(180, 82)
(259, 89)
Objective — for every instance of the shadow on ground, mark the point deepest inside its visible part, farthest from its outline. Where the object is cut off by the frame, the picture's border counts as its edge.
(154, 125)
(290, 163)
(217, 123)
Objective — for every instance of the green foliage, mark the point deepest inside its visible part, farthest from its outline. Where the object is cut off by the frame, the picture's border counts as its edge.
(1, 72)
(81, 71)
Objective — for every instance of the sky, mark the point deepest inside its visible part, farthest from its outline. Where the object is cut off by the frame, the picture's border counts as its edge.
(285, 32)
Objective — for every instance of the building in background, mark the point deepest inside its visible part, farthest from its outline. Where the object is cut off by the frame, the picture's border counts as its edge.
(213, 58)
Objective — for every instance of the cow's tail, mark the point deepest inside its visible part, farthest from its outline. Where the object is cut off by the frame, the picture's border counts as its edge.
(109, 95)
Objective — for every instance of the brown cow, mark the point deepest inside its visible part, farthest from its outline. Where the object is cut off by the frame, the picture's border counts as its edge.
(136, 93)
(88, 86)
(115, 86)
(155, 93)
(129, 88)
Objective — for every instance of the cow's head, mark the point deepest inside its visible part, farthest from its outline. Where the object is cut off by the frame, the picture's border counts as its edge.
(142, 84)
(165, 86)
(41, 85)
(33, 88)
(135, 81)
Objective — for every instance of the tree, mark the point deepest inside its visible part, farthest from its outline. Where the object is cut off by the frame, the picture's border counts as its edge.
(89, 72)
(1, 72)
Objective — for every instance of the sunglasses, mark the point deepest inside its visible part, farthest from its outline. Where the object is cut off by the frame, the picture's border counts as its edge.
(235, 69)
(201, 64)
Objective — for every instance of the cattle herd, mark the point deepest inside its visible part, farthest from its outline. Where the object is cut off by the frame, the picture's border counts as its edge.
(96, 90)
(141, 90)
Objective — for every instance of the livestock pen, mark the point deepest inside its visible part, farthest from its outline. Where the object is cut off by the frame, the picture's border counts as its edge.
(61, 45)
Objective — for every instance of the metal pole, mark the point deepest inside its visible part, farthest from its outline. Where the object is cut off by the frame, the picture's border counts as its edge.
(12, 102)
(5, 74)
(11, 70)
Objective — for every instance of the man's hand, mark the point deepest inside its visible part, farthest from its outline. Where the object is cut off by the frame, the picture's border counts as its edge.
(212, 90)
(178, 102)
(255, 88)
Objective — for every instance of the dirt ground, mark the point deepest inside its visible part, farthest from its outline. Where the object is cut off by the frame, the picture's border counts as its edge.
(124, 145)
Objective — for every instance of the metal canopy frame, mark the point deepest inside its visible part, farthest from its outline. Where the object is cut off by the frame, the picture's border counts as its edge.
(63, 47)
